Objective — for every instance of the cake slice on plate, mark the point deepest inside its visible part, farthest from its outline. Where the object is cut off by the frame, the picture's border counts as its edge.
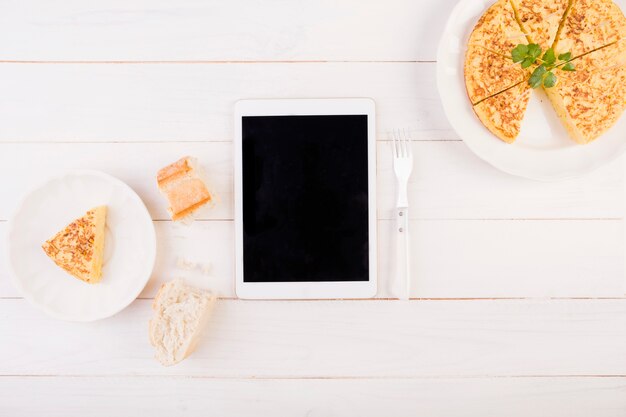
(589, 25)
(540, 20)
(591, 100)
(497, 30)
(503, 113)
(79, 247)
(487, 73)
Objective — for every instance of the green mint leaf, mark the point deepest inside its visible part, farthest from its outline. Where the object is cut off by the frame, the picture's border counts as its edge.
(550, 80)
(519, 53)
(565, 57)
(537, 76)
(534, 50)
(549, 58)
(568, 67)
(527, 62)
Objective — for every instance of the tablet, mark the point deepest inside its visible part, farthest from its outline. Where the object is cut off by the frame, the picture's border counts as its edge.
(305, 199)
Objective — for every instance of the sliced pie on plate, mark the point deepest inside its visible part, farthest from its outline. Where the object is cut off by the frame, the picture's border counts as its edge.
(589, 25)
(497, 30)
(588, 100)
(540, 19)
(488, 73)
(591, 100)
(503, 113)
(79, 247)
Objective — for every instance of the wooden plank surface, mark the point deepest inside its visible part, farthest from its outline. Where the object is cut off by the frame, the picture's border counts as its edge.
(450, 258)
(174, 102)
(214, 30)
(449, 182)
(181, 396)
(104, 84)
(291, 339)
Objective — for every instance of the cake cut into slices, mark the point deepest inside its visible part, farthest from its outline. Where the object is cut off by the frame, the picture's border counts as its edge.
(181, 313)
(79, 248)
(181, 184)
(487, 73)
(496, 86)
(588, 100)
(589, 25)
(591, 100)
(503, 113)
(540, 19)
(497, 30)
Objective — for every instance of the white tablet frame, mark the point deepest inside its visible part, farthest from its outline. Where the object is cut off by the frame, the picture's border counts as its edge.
(305, 290)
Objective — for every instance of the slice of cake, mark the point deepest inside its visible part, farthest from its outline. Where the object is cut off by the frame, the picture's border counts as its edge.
(590, 100)
(181, 184)
(79, 248)
(487, 73)
(589, 25)
(540, 20)
(497, 30)
(181, 312)
(503, 113)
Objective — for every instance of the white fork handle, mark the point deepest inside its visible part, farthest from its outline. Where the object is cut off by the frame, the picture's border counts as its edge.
(403, 258)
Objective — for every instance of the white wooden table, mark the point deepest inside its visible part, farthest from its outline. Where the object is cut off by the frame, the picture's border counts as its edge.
(518, 302)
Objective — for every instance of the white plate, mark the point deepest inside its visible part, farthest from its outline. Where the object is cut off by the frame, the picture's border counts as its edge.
(543, 149)
(130, 246)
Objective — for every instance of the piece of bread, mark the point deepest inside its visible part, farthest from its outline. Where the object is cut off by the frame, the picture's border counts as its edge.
(79, 247)
(185, 191)
(181, 313)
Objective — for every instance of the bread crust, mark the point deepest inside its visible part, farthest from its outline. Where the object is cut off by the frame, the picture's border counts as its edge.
(174, 171)
(185, 191)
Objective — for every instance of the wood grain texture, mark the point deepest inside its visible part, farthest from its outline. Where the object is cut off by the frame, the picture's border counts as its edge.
(172, 102)
(238, 30)
(450, 258)
(279, 339)
(448, 182)
(181, 396)
(144, 83)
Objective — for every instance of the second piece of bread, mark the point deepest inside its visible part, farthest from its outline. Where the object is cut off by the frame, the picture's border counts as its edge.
(181, 312)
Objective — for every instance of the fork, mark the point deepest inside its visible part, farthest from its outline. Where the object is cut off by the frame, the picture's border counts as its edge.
(402, 166)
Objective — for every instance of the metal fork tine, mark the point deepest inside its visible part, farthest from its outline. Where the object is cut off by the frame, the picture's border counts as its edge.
(395, 144)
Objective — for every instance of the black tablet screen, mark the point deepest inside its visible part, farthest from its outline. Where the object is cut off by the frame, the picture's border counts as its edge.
(305, 198)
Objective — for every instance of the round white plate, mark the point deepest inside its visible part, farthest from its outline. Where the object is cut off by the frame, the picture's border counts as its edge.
(129, 247)
(543, 149)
